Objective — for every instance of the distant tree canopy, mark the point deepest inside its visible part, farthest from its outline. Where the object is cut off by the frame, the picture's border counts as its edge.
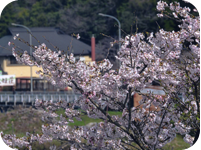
(7, 16)
(82, 15)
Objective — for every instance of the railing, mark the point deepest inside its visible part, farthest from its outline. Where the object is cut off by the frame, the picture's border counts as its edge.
(38, 92)
(25, 98)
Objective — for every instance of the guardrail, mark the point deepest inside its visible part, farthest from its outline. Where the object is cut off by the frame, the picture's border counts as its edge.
(14, 99)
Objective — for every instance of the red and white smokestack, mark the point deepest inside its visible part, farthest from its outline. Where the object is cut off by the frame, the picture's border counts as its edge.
(93, 47)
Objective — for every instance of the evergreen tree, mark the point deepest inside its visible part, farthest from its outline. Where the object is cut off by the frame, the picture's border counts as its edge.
(7, 16)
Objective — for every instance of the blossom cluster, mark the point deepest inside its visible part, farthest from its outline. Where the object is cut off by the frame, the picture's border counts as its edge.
(152, 124)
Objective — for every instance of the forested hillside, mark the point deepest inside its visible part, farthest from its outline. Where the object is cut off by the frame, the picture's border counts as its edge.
(81, 16)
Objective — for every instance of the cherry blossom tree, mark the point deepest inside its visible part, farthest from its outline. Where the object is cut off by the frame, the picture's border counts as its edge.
(146, 57)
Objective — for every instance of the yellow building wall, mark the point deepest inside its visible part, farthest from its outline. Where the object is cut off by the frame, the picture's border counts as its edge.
(20, 70)
(24, 71)
(87, 59)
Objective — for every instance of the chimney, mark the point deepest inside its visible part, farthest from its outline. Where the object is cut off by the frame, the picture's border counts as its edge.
(93, 47)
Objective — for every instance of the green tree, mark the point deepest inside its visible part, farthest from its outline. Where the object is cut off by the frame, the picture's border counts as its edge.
(6, 18)
(22, 15)
(81, 16)
(36, 14)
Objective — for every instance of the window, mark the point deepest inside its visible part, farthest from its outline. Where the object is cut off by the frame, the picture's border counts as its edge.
(181, 97)
(13, 60)
(79, 58)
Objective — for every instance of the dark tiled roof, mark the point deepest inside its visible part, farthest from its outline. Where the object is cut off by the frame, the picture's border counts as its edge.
(53, 35)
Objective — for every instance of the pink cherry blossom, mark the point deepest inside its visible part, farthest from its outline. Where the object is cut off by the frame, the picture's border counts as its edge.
(151, 124)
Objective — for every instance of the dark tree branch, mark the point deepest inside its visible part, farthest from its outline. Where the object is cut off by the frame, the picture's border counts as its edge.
(196, 136)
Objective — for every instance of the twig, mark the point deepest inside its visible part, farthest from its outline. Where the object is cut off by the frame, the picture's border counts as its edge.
(51, 43)
(13, 135)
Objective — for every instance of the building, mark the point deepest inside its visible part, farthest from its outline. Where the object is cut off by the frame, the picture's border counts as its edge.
(155, 89)
(48, 35)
